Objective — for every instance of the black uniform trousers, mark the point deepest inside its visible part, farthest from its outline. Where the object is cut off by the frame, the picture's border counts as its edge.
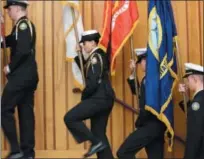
(98, 111)
(150, 136)
(24, 100)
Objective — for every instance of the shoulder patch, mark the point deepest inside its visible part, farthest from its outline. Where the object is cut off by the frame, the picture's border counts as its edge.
(23, 26)
(94, 60)
(195, 106)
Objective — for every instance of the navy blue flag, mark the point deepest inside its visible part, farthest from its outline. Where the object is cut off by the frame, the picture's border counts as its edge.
(161, 76)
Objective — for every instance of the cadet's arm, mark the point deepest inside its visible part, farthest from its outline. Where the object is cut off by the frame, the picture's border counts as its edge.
(131, 83)
(23, 46)
(76, 59)
(181, 104)
(8, 41)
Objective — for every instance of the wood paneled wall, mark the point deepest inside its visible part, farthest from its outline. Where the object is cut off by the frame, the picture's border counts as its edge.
(54, 96)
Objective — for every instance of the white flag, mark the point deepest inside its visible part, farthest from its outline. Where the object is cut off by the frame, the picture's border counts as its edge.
(70, 37)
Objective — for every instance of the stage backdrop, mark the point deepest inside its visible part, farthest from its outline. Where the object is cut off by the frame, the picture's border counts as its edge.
(54, 96)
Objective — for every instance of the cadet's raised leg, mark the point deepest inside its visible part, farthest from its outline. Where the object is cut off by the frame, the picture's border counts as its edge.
(74, 120)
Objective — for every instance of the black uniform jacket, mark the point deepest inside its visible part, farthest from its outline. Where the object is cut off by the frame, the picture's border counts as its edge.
(23, 68)
(144, 116)
(195, 127)
(97, 76)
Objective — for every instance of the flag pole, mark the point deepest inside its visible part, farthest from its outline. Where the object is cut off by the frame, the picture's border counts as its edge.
(134, 70)
(78, 51)
(180, 74)
(5, 59)
(4, 44)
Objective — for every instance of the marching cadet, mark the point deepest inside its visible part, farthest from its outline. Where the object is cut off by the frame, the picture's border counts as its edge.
(97, 100)
(195, 112)
(150, 131)
(22, 78)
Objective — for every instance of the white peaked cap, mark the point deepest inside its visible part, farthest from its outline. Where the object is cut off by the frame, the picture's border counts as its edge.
(90, 35)
(26, 2)
(140, 51)
(89, 32)
(195, 67)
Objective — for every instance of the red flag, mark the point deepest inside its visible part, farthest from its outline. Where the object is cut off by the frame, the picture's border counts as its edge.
(120, 19)
(105, 36)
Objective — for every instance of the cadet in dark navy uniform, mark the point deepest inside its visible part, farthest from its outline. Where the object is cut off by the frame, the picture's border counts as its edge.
(22, 82)
(195, 112)
(97, 100)
(150, 131)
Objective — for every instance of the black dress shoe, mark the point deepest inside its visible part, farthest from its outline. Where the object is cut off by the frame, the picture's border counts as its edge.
(15, 156)
(95, 148)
